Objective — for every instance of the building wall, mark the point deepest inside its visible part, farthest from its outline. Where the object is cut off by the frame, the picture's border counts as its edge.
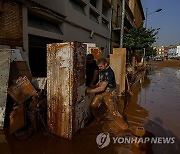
(137, 10)
(10, 24)
(134, 17)
(116, 13)
(56, 5)
(116, 23)
(92, 31)
(160, 51)
(85, 26)
(101, 42)
(178, 50)
(172, 52)
(54, 21)
(78, 25)
(84, 20)
(18, 25)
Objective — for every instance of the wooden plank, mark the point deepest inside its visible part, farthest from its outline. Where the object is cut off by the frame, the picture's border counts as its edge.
(118, 64)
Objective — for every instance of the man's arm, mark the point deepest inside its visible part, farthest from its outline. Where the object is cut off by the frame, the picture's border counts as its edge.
(101, 88)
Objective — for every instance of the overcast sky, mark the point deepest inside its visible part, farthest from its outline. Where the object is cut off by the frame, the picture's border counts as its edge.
(168, 20)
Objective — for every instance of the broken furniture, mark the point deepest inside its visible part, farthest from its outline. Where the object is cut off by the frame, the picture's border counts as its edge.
(20, 91)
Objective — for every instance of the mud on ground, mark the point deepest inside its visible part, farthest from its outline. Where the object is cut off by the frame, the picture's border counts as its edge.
(167, 63)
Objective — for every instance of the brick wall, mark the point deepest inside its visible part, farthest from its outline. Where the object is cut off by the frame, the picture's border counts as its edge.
(11, 24)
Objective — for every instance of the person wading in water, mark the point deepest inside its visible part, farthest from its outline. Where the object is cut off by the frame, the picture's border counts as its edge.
(106, 92)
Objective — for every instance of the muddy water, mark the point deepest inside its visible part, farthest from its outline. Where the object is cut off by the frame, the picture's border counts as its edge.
(154, 105)
(161, 98)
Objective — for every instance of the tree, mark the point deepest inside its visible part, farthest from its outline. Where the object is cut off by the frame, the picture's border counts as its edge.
(140, 38)
(149, 52)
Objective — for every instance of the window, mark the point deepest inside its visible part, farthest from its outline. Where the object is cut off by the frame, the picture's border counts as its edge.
(78, 5)
(94, 16)
(38, 54)
(105, 23)
(43, 24)
(118, 16)
(116, 37)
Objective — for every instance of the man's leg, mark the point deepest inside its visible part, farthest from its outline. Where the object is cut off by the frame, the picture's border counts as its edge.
(108, 98)
(96, 102)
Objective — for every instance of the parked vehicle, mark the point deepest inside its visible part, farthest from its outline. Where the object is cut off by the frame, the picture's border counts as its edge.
(158, 58)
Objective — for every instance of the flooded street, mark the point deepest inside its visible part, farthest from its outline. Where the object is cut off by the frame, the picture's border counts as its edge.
(89, 77)
(154, 105)
(160, 96)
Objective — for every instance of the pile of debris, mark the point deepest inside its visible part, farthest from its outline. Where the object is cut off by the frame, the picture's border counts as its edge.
(29, 109)
(24, 110)
(63, 91)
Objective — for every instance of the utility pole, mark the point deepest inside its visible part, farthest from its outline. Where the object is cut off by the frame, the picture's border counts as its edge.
(156, 11)
(146, 17)
(122, 24)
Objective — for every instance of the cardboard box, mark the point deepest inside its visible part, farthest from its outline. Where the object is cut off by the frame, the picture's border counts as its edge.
(21, 90)
(17, 119)
(19, 69)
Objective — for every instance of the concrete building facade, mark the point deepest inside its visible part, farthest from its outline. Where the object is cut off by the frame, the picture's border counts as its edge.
(134, 17)
(31, 24)
(137, 11)
(174, 51)
(161, 51)
(178, 50)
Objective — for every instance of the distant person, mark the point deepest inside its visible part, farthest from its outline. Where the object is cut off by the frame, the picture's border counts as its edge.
(106, 92)
(92, 71)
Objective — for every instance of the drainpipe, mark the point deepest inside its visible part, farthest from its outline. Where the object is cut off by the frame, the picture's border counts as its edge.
(110, 46)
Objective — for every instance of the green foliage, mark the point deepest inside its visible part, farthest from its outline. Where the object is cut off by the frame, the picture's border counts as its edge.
(149, 51)
(139, 38)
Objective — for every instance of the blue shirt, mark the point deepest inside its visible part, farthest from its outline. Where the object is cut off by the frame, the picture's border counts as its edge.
(108, 76)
